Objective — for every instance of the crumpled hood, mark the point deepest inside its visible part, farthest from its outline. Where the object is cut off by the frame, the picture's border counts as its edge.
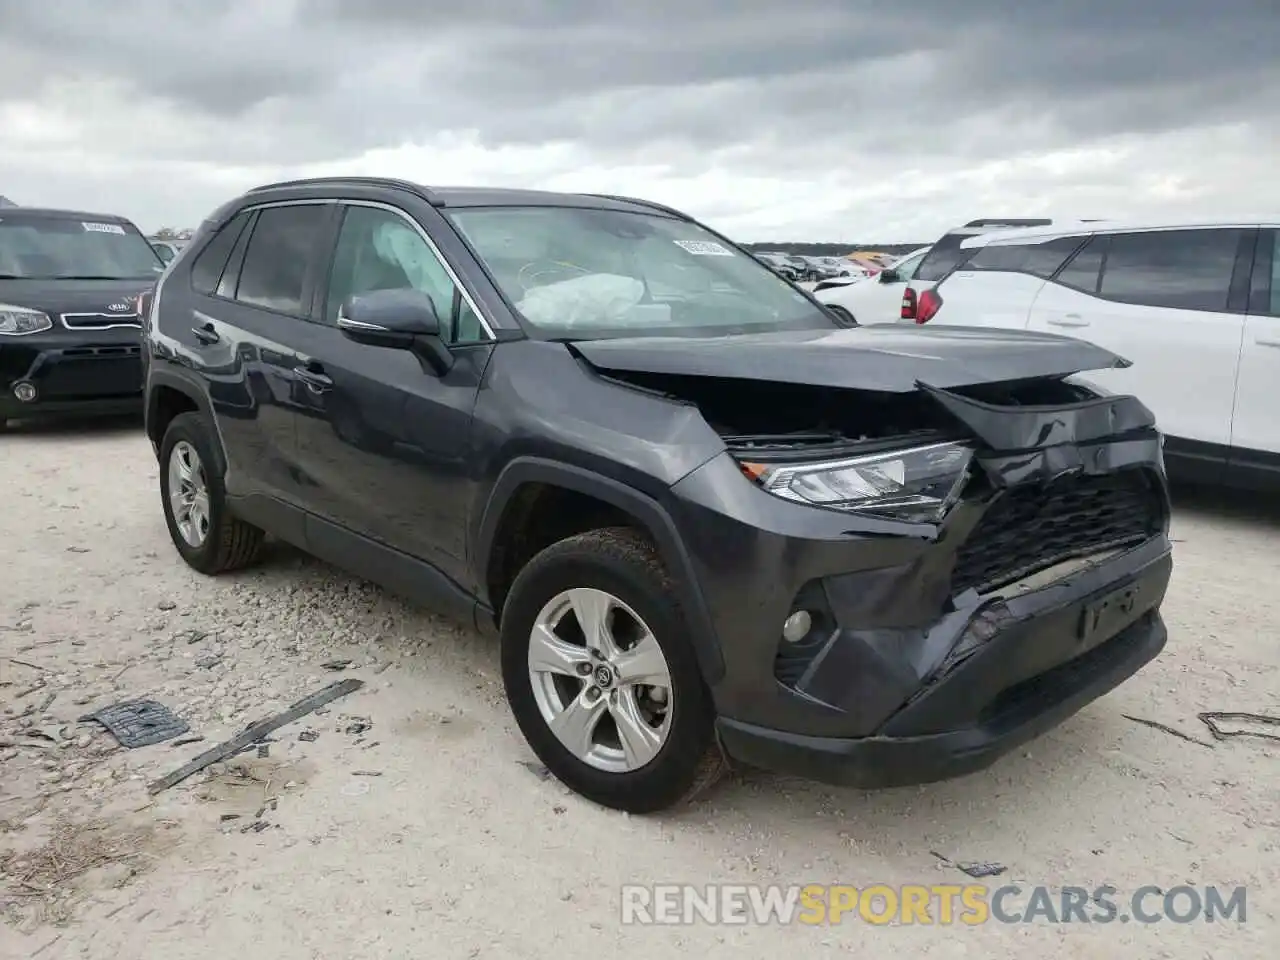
(886, 358)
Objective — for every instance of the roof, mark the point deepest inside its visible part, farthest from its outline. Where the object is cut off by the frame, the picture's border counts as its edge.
(1068, 228)
(474, 196)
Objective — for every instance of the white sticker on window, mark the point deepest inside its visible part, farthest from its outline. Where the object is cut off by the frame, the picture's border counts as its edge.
(104, 228)
(704, 248)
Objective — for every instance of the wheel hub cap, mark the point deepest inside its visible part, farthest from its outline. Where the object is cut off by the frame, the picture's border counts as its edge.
(188, 494)
(600, 680)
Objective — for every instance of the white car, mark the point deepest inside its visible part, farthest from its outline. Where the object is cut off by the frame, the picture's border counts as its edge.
(871, 299)
(1194, 306)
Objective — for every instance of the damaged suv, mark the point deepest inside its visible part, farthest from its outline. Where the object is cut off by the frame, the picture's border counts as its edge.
(709, 523)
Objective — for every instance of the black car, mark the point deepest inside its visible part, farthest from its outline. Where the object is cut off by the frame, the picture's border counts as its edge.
(709, 524)
(69, 312)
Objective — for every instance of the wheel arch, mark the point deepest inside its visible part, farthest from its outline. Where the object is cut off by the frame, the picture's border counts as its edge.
(522, 475)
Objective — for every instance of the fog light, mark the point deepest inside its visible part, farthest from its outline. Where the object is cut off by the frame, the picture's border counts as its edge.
(24, 391)
(797, 626)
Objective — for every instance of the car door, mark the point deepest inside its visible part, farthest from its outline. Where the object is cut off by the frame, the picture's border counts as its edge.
(1000, 282)
(1168, 301)
(1255, 428)
(383, 446)
(250, 285)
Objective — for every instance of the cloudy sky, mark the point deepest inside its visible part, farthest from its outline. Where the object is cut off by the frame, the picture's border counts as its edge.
(811, 120)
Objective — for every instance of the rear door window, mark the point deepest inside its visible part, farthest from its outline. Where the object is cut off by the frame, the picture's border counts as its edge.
(1178, 269)
(209, 263)
(1264, 290)
(279, 255)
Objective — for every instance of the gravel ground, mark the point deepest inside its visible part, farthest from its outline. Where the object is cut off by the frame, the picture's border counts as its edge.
(410, 820)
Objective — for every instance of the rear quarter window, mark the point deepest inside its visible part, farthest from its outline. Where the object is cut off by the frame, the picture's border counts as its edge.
(1036, 259)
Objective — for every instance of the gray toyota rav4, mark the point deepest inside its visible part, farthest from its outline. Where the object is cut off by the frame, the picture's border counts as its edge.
(709, 523)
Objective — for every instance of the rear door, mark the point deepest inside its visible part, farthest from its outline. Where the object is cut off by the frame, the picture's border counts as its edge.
(1171, 302)
(1255, 430)
(243, 329)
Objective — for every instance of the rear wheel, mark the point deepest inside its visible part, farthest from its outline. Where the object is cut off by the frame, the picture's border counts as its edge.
(207, 535)
(601, 676)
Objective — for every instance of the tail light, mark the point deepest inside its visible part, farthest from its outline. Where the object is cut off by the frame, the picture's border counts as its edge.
(908, 311)
(930, 304)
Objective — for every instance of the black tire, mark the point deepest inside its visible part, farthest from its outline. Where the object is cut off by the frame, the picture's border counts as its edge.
(843, 315)
(231, 543)
(620, 561)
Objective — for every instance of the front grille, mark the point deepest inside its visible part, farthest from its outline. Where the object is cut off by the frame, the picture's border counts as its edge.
(1030, 528)
(100, 321)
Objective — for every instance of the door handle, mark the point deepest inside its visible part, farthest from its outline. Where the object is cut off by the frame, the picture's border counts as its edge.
(315, 379)
(1267, 342)
(1069, 320)
(206, 334)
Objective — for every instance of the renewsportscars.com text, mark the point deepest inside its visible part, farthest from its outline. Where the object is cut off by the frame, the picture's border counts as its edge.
(935, 904)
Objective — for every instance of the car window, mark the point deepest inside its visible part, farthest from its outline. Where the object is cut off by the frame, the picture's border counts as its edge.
(1037, 259)
(274, 272)
(1264, 285)
(163, 251)
(1179, 269)
(907, 268)
(381, 250)
(1083, 270)
(943, 257)
(207, 267)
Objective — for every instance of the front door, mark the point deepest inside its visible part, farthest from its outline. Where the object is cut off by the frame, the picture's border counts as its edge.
(383, 441)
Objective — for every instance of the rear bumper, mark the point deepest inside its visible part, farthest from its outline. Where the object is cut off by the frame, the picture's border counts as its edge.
(72, 376)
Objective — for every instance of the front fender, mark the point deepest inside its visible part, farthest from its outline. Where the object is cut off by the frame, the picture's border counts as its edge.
(650, 514)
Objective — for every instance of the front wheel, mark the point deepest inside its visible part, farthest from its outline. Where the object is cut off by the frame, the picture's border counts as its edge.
(601, 676)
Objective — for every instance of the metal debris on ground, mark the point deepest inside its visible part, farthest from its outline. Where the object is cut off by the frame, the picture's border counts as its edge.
(139, 723)
(309, 735)
(1224, 725)
(336, 665)
(358, 725)
(977, 870)
(1163, 728)
(255, 732)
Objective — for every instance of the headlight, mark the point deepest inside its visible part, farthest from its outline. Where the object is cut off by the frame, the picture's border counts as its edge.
(17, 321)
(917, 484)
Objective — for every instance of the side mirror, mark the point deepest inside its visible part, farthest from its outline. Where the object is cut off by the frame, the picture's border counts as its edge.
(398, 320)
(890, 275)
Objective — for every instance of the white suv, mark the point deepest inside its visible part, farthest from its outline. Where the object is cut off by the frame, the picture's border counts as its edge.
(1194, 306)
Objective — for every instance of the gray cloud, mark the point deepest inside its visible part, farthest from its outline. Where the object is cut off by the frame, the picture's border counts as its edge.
(749, 87)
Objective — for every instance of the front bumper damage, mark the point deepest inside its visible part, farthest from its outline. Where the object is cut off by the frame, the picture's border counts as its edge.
(939, 648)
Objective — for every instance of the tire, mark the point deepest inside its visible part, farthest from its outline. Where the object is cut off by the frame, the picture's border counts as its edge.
(228, 542)
(621, 563)
(843, 315)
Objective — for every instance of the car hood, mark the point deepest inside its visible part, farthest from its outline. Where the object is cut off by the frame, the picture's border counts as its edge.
(886, 358)
(73, 296)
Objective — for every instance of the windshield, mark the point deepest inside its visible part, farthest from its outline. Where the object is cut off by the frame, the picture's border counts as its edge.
(54, 248)
(584, 273)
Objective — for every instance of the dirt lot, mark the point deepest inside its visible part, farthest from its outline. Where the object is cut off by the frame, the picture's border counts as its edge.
(409, 819)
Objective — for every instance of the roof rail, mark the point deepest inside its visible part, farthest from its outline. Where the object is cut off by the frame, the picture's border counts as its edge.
(1010, 222)
(408, 186)
(641, 203)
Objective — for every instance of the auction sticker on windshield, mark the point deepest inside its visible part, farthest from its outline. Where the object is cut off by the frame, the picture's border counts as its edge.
(704, 248)
(103, 228)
